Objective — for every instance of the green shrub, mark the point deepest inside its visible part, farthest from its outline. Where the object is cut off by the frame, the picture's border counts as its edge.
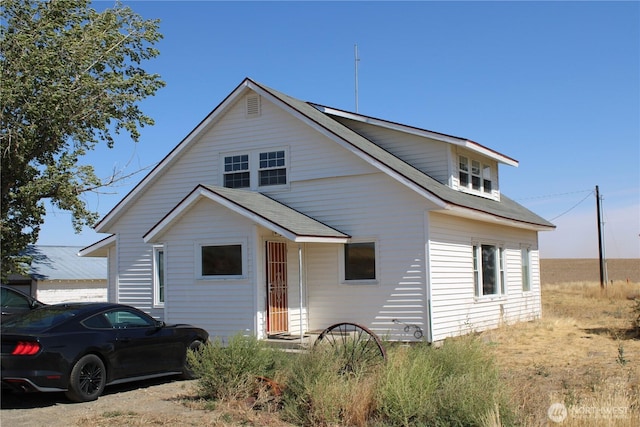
(319, 393)
(229, 371)
(407, 387)
(455, 385)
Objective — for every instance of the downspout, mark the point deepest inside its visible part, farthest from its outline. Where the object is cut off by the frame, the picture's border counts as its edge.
(300, 290)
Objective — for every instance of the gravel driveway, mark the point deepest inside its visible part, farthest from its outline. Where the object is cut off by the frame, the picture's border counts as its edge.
(154, 402)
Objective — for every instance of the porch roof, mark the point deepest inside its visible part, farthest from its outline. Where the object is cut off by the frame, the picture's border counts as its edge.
(259, 208)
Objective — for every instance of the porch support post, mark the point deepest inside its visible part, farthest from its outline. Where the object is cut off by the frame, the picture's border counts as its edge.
(300, 290)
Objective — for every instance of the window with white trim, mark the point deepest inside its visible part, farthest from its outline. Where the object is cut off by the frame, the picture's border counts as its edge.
(221, 261)
(359, 262)
(255, 169)
(474, 175)
(488, 270)
(526, 269)
(272, 169)
(158, 276)
(236, 171)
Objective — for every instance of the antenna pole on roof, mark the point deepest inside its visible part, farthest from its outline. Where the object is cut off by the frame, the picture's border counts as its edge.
(356, 60)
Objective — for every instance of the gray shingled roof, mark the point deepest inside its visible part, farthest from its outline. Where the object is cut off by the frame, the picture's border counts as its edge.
(505, 208)
(277, 213)
(63, 263)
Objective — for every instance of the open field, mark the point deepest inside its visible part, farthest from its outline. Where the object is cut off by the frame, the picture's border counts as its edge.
(570, 270)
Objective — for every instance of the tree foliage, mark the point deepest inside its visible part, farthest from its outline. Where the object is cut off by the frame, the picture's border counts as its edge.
(71, 78)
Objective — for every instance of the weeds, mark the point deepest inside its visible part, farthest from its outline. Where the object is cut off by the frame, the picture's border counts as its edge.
(635, 313)
(230, 371)
(456, 384)
(622, 361)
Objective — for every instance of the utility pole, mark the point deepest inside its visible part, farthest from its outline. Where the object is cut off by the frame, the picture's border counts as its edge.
(600, 243)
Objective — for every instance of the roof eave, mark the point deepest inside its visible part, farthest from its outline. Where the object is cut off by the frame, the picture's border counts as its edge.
(103, 225)
(479, 215)
(450, 139)
(99, 249)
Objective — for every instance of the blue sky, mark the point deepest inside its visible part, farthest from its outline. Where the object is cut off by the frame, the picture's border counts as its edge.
(555, 85)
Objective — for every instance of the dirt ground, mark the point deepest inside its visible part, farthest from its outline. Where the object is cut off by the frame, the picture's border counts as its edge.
(157, 402)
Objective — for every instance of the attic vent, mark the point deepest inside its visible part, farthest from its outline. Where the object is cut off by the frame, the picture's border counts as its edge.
(253, 105)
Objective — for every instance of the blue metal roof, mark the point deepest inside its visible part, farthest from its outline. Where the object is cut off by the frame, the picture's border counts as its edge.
(63, 263)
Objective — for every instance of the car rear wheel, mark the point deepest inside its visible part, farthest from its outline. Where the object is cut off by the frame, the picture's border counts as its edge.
(187, 371)
(87, 379)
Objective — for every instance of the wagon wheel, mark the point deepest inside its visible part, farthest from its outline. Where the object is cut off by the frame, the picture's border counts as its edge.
(357, 346)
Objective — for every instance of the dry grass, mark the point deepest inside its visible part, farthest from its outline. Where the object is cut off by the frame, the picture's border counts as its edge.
(582, 353)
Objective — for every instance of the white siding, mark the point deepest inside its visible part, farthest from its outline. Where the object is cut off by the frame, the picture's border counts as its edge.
(367, 208)
(57, 291)
(112, 278)
(455, 309)
(428, 155)
(224, 307)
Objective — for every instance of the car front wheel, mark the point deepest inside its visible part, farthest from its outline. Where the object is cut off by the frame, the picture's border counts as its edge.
(87, 379)
(187, 371)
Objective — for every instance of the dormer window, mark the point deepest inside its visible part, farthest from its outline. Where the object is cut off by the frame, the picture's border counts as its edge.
(474, 175)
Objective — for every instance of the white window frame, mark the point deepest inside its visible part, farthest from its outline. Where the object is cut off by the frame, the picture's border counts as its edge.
(255, 169)
(342, 269)
(478, 267)
(226, 173)
(159, 277)
(477, 170)
(525, 266)
(198, 258)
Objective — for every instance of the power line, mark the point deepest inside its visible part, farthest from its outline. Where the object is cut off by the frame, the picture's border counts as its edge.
(573, 207)
(549, 196)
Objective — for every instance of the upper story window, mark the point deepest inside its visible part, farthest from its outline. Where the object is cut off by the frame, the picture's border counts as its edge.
(255, 169)
(272, 168)
(236, 171)
(474, 175)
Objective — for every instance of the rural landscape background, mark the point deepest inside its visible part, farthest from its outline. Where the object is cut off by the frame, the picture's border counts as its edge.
(558, 270)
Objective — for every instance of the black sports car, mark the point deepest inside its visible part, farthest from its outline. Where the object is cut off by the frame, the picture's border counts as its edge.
(79, 348)
(13, 301)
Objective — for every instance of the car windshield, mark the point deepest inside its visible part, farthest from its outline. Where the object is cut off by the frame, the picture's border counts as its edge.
(39, 319)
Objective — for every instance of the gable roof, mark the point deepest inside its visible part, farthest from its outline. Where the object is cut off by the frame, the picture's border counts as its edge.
(449, 139)
(504, 211)
(63, 263)
(259, 208)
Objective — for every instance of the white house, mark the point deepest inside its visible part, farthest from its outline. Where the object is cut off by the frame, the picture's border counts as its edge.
(278, 216)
